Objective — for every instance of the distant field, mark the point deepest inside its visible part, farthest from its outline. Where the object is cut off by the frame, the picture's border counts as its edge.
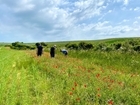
(62, 43)
(95, 42)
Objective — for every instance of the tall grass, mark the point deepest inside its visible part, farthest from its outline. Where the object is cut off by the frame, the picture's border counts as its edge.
(84, 80)
(19, 76)
(124, 61)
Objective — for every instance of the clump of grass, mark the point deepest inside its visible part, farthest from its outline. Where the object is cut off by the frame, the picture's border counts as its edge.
(127, 62)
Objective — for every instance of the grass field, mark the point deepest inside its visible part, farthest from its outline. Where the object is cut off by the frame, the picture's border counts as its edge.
(82, 78)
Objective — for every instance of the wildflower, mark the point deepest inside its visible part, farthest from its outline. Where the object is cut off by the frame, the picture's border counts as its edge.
(97, 75)
(85, 85)
(98, 89)
(75, 84)
(73, 88)
(55, 66)
(119, 83)
(99, 95)
(110, 102)
(70, 93)
(111, 81)
(78, 99)
(132, 75)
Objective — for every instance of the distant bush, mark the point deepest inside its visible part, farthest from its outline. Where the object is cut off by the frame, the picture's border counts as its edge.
(85, 46)
(108, 49)
(37, 44)
(125, 46)
(72, 46)
(137, 48)
(21, 46)
(133, 42)
(101, 47)
(80, 46)
(89, 46)
(43, 44)
(7, 45)
(118, 46)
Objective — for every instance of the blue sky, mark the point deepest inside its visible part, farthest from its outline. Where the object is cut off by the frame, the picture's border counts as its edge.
(66, 20)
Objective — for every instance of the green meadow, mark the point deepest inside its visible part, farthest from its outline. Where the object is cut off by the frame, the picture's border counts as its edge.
(84, 77)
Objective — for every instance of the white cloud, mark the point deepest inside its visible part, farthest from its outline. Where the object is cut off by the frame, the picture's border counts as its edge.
(135, 22)
(126, 2)
(117, 0)
(106, 30)
(138, 17)
(137, 9)
(125, 20)
(109, 11)
(88, 8)
(45, 20)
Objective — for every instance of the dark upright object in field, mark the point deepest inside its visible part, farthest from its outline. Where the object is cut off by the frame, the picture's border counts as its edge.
(52, 51)
(39, 50)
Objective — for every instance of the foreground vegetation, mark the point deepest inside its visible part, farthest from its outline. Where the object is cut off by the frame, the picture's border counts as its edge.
(123, 61)
(83, 78)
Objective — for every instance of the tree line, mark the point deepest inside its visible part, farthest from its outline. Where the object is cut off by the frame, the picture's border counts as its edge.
(131, 45)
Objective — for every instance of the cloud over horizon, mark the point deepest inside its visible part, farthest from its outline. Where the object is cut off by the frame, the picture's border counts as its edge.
(64, 20)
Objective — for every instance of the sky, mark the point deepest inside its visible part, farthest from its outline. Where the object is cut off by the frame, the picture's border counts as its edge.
(68, 20)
